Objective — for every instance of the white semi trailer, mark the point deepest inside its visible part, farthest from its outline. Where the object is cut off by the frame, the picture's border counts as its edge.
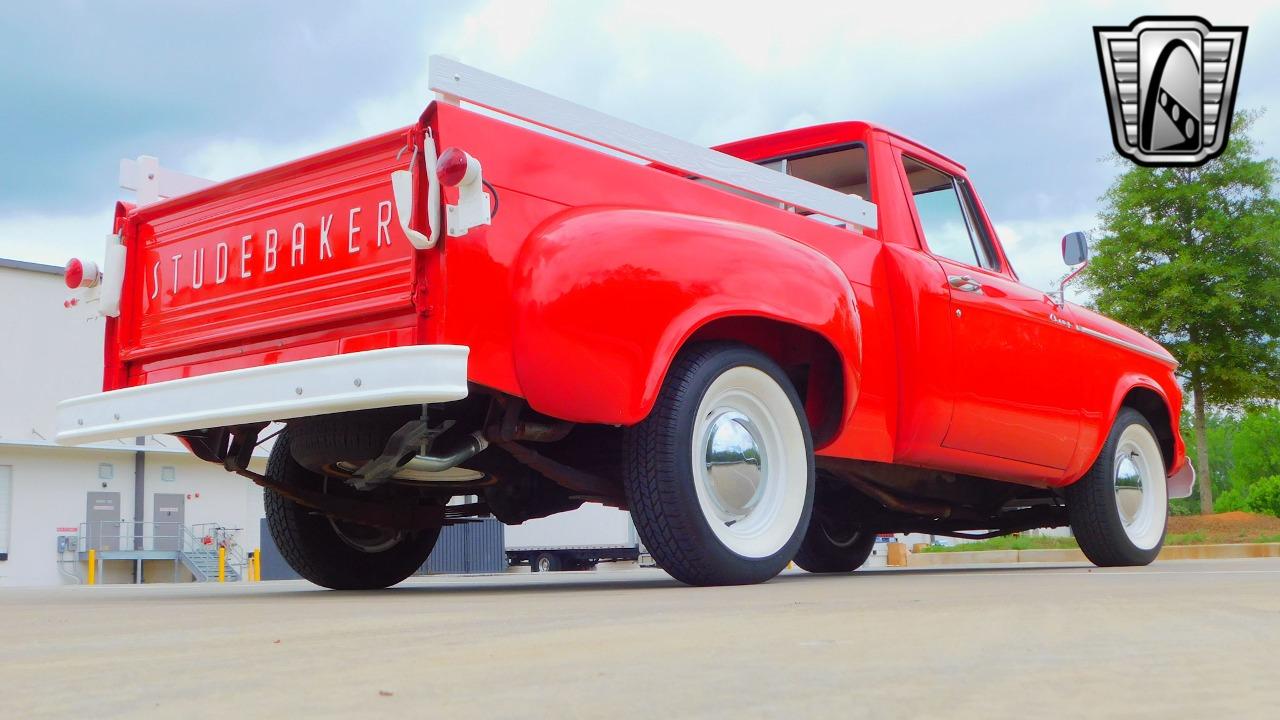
(574, 540)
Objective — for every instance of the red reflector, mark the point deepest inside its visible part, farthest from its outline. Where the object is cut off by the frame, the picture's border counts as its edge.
(80, 273)
(452, 166)
(74, 274)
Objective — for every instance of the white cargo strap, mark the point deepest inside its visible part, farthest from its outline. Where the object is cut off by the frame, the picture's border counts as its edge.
(402, 191)
(112, 277)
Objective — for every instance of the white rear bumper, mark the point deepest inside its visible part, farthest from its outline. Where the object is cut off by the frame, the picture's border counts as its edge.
(356, 381)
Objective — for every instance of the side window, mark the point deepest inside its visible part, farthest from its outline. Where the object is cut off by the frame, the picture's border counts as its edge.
(947, 218)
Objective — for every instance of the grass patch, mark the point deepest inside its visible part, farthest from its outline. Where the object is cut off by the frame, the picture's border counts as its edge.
(1010, 542)
(1198, 537)
(1191, 538)
(1036, 542)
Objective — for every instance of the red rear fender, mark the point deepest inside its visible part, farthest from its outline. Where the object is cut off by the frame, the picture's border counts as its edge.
(605, 298)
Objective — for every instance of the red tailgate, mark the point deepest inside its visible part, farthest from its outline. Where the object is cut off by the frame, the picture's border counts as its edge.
(272, 259)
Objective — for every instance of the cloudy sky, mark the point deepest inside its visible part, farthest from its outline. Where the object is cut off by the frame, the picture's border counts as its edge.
(219, 89)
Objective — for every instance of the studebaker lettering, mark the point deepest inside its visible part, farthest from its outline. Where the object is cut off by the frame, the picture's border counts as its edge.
(232, 260)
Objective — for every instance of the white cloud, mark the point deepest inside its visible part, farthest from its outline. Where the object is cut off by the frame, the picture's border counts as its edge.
(223, 159)
(1005, 88)
(54, 239)
(1034, 247)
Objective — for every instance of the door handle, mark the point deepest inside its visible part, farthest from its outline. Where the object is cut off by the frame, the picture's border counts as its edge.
(963, 283)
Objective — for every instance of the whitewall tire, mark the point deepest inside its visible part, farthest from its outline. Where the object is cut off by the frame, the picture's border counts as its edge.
(1120, 508)
(720, 476)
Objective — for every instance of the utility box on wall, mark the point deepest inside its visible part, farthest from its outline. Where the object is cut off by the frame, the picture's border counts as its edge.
(471, 547)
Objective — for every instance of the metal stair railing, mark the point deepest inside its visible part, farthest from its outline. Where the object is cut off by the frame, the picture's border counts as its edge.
(196, 545)
(200, 547)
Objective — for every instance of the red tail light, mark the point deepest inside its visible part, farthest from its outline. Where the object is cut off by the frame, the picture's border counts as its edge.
(453, 166)
(81, 273)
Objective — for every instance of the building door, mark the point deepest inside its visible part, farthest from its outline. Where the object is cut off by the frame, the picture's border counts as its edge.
(6, 508)
(169, 511)
(102, 515)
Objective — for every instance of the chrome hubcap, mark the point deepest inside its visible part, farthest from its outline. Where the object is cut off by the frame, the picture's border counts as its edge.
(364, 538)
(1129, 488)
(1141, 495)
(735, 469)
(748, 463)
(842, 535)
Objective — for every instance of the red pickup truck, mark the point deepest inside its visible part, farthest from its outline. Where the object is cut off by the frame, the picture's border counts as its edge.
(769, 351)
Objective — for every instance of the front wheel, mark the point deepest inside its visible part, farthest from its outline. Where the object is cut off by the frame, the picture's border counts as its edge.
(1120, 507)
(333, 553)
(837, 540)
(720, 476)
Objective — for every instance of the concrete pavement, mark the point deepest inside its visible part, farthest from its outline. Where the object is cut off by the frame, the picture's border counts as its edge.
(1180, 639)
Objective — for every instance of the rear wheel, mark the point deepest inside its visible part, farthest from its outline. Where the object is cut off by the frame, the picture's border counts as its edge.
(341, 442)
(719, 477)
(1120, 507)
(334, 553)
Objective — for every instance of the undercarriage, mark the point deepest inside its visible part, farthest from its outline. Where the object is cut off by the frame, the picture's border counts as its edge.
(399, 468)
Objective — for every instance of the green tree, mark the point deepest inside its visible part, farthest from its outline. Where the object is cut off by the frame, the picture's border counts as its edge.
(1255, 448)
(1220, 434)
(1191, 256)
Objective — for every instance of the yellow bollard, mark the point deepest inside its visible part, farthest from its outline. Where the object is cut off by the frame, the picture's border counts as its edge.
(222, 564)
(257, 565)
(93, 566)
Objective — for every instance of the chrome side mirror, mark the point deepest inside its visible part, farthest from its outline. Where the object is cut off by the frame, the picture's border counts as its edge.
(1075, 251)
(1075, 248)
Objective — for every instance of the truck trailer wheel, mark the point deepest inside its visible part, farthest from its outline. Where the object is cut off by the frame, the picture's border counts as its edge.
(1120, 507)
(720, 475)
(545, 562)
(836, 541)
(333, 553)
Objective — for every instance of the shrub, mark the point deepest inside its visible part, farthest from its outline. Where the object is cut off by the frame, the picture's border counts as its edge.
(1229, 501)
(1264, 496)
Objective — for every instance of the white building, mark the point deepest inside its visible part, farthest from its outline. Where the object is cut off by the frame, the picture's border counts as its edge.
(47, 492)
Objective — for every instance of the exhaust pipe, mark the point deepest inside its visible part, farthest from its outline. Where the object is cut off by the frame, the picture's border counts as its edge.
(474, 444)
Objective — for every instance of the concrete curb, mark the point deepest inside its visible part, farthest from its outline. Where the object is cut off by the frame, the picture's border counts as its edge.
(1173, 552)
(1220, 552)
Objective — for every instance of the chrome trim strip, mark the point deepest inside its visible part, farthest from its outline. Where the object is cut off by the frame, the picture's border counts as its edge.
(1165, 358)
